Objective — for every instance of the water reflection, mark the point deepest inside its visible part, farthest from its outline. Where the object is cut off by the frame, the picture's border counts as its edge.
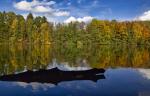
(17, 58)
(145, 73)
(127, 70)
(118, 82)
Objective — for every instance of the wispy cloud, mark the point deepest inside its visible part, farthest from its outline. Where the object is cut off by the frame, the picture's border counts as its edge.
(65, 10)
(36, 6)
(33, 5)
(145, 16)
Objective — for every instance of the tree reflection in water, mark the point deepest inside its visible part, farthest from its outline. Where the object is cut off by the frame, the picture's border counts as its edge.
(18, 58)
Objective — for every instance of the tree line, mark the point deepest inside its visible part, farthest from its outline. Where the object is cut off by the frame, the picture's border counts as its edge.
(15, 28)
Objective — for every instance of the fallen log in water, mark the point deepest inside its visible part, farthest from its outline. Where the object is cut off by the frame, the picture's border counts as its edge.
(55, 76)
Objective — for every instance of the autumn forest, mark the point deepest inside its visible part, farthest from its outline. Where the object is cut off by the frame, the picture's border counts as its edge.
(16, 29)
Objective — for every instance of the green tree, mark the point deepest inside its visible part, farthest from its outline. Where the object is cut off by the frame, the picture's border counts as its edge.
(29, 28)
(45, 33)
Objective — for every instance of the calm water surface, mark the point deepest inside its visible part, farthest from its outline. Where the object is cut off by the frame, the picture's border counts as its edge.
(127, 70)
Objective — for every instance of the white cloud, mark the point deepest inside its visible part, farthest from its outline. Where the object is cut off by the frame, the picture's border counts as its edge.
(23, 5)
(84, 19)
(62, 13)
(30, 6)
(145, 16)
(70, 19)
(42, 9)
(37, 6)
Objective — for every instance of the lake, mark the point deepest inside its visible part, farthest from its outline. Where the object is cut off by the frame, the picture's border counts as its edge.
(127, 70)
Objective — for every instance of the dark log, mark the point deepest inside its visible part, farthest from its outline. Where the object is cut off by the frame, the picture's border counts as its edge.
(55, 76)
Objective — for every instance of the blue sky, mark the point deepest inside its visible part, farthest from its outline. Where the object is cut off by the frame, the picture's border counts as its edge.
(80, 10)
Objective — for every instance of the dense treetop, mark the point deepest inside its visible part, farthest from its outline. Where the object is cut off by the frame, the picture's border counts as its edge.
(15, 28)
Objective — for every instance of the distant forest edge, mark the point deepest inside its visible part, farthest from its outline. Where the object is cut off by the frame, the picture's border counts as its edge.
(15, 28)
